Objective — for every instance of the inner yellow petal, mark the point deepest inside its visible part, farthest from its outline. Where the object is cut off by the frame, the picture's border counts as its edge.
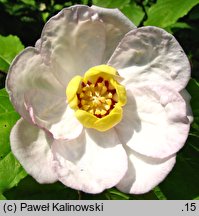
(97, 98)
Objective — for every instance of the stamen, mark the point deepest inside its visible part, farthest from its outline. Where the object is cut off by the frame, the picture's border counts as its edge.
(97, 98)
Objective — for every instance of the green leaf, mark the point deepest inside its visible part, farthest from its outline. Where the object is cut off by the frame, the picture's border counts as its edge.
(176, 26)
(45, 16)
(8, 118)
(58, 7)
(4, 65)
(166, 12)
(11, 171)
(160, 195)
(183, 181)
(29, 189)
(3, 1)
(193, 89)
(2, 79)
(10, 46)
(182, 25)
(114, 194)
(2, 197)
(109, 194)
(29, 2)
(134, 13)
(111, 3)
(85, 2)
(147, 196)
(194, 15)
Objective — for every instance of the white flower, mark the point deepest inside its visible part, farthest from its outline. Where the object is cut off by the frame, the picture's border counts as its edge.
(126, 112)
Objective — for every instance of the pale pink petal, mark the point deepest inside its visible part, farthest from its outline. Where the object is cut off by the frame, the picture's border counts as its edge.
(31, 146)
(116, 25)
(52, 113)
(144, 173)
(155, 121)
(29, 72)
(68, 127)
(73, 41)
(151, 54)
(81, 37)
(92, 162)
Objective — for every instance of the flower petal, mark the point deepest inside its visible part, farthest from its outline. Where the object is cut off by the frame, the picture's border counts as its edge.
(52, 113)
(80, 37)
(31, 146)
(144, 173)
(73, 41)
(116, 25)
(151, 54)
(155, 121)
(68, 127)
(29, 72)
(92, 162)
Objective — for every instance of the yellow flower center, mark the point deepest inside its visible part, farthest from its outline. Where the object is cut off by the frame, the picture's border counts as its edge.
(97, 97)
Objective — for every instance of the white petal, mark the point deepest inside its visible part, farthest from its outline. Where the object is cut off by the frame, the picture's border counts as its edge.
(52, 113)
(116, 25)
(31, 146)
(151, 54)
(68, 127)
(29, 72)
(92, 162)
(155, 121)
(73, 41)
(144, 173)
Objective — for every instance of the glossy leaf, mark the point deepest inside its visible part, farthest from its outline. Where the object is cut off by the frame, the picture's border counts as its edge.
(10, 46)
(11, 171)
(167, 12)
(134, 13)
(8, 117)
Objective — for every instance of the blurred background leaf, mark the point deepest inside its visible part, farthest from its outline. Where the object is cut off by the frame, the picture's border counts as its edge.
(183, 181)
(111, 3)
